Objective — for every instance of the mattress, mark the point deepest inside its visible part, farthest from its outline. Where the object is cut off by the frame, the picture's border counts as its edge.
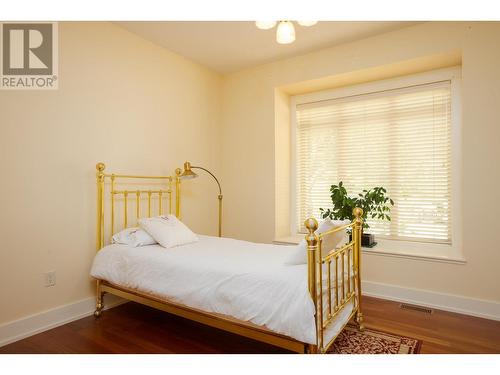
(245, 280)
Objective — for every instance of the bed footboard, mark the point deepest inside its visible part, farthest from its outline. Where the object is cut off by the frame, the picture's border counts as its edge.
(334, 279)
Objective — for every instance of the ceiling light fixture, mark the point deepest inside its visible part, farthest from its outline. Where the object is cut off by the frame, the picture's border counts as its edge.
(285, 32)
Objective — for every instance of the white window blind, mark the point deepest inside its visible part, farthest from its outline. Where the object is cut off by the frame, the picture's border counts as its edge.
(399, 139)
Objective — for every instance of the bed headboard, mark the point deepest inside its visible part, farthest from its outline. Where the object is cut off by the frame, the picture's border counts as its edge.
(150, 196)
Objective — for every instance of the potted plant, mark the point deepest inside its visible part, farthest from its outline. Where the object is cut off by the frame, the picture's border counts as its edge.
(374, 202)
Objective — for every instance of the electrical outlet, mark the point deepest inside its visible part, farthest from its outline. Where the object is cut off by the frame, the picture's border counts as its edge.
(50, 278)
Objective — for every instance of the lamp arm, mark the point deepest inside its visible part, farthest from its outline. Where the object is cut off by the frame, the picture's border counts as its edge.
(211, 174)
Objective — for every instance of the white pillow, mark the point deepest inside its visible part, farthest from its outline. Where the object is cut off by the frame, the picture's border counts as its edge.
(168, 231)
(133, 237)
(299, 254)
(331, 241)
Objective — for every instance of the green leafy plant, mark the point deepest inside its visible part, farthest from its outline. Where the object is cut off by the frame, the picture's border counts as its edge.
(374, 202)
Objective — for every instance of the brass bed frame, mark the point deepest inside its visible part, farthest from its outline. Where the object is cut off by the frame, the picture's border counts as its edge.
(340, 290)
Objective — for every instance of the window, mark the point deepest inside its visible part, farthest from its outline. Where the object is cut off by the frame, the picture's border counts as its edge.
(396, 136)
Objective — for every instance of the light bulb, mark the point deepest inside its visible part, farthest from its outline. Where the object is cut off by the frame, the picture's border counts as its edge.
(285, 34)
(265, 25)
(307, 23)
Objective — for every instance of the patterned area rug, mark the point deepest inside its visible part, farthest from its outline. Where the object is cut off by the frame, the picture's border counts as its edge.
(370, 341)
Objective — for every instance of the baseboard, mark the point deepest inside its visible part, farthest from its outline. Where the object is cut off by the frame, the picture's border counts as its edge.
(442, 301)
(33, 324)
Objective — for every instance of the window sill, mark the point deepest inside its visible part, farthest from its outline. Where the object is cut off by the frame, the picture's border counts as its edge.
(399, 249)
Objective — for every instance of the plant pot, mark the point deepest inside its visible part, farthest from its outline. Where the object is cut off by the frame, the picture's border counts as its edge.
(367, 239)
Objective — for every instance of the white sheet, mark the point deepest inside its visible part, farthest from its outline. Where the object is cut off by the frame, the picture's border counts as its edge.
(248, 281)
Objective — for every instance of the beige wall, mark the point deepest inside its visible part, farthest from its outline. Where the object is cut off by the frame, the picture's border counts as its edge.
(121, 100)
(253, 118)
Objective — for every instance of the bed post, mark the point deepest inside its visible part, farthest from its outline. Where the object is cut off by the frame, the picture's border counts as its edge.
(312, 254)
(100, 204)
(358, 225)
(100, 230)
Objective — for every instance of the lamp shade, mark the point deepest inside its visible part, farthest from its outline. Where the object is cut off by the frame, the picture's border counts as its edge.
(187, 173)
(285, 34)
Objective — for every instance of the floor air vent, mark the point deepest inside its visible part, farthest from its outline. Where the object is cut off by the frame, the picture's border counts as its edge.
(421, 309)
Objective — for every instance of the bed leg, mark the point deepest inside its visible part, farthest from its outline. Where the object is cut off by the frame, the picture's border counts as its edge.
(360, 320)
(99, 301)
(310, 349)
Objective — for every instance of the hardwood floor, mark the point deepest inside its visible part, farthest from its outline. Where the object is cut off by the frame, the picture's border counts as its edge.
(132, 328)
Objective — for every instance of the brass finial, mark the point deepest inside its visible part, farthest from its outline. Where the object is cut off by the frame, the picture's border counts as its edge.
(178, 171)
(311, 224)
(357, 212)
(100, 167)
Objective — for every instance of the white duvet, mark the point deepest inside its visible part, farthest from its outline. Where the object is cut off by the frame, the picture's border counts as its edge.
(248, 281)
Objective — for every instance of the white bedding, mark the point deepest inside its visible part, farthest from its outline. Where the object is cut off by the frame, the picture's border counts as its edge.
(248, 281)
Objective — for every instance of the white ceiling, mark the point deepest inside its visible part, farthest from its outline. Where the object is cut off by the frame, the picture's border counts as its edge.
(227, 46)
